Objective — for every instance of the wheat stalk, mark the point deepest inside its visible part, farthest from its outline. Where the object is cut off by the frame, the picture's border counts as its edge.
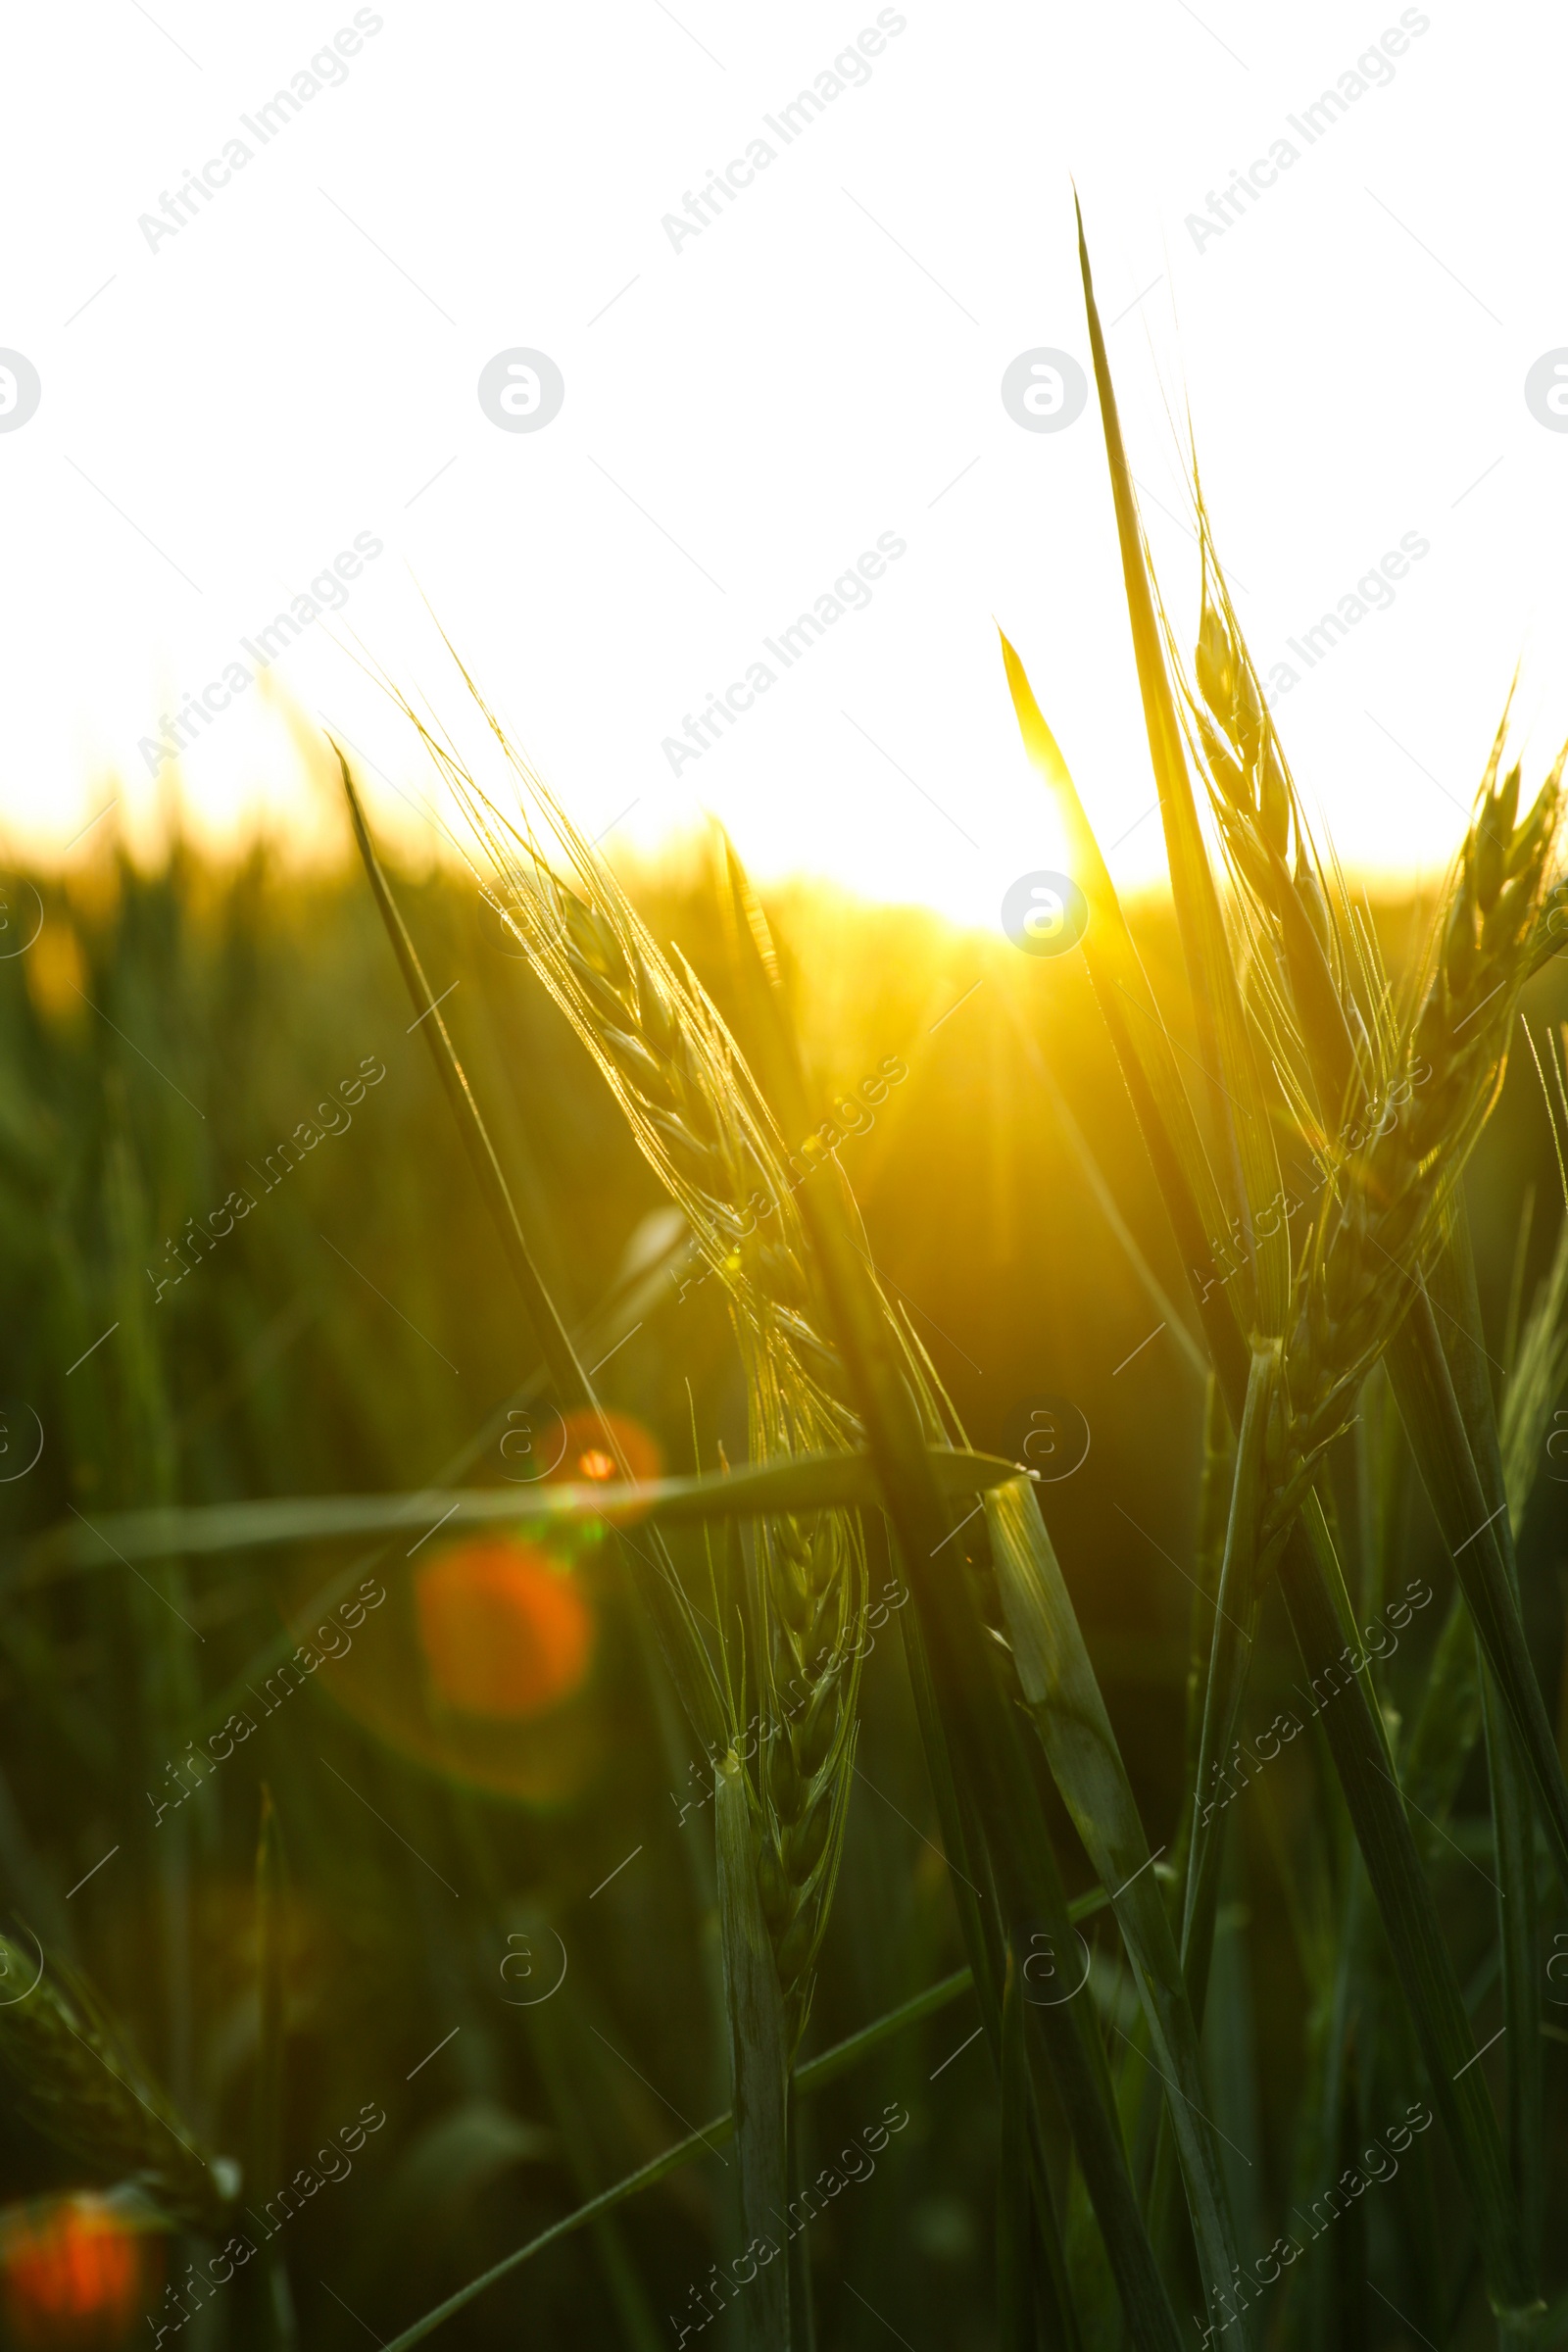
(700, 1120)
(1419, 1091)
(78, 2083)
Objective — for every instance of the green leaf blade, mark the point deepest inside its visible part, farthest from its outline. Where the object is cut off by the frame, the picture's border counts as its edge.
(1069, 1714)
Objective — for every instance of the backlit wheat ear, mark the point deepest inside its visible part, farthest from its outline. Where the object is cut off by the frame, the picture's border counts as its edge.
(78, 2084)
(1411, 1099)
(699, 1120)
(816, 1585)
(693, 1108)
(1381, 1211)
(682, 1083)
(1270, 851)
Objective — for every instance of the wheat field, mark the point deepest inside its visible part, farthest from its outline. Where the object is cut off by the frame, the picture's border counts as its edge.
(913, 1591)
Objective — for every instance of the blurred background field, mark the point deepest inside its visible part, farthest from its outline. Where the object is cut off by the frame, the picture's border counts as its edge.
(355, 1332)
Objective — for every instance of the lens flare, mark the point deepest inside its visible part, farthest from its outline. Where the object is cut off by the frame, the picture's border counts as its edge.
(72, 2273)
(587, 1459)
(587, 1454)
(506, 1631)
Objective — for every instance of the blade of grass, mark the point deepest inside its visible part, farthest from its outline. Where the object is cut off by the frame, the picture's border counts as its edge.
(1319, 1611)
(1232, 2053)
(962, 1842)
(1235, 1623)
(1518, 1937)
(1452, 1286)
(761, 2061)
(1427, 2251)
(807, 1481)
(663, 1596)
(1318, 2164)
(1348, 2298)
(1144, 1053)
(1015, 2312)
(978, 1913)
(1538, 1362)
(814, 2074)
(1448, 1721)
(981, 1733)
(618, 1312)
(556, 2047)
(802, 2310)
(1239, 1108)
(1069, 1714)
(1475, 1532)
(1308, 1574)
(555, 1341)
(1313, 1591)
(265, 2151)
(1214, 1519)
(1153, 2141)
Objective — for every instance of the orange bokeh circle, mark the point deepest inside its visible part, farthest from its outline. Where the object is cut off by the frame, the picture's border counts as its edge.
(506, 1633)
(72, 2273)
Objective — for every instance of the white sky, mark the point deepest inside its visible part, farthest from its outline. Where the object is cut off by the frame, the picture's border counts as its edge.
(820, 365)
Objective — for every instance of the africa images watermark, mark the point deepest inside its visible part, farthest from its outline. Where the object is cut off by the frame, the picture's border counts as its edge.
(328, 69)
(850, 593)
(330, 1118)
(1372, 593)
(1373, 70)
(850, 70)
(889, 1071)
(800, 1689)
(1230, 1776)
(1229, 1258)
(1351, 2184)
(181, 2298)
(761, 2251)
(178, 729)
(333, 1638)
